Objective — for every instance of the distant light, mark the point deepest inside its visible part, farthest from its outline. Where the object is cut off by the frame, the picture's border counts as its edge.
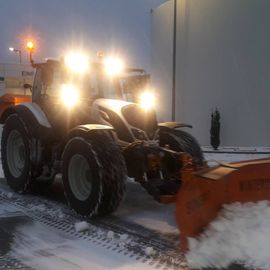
(11, 49)
(30, 45)
(77, 62)
(113, 66)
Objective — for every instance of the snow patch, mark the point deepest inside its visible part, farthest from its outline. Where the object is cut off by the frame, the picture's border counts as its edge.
(123, 237)
(241, 233)
(10, 195)
(40, 207)
(61, 215)
(110, 234)
(81, 226)
(149, 251)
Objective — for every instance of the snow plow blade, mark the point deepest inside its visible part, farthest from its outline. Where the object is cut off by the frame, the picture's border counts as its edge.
(204, 191)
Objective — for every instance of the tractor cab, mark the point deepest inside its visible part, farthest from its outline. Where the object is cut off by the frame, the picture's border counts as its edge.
(71, 93)
(57, 82)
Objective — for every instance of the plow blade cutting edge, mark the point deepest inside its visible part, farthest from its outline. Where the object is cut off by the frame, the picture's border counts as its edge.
(203, 192)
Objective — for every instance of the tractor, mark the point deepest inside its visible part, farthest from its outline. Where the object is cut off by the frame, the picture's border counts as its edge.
(95, 124)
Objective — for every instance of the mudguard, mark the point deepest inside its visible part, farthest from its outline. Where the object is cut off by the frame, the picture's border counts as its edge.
(173, 125)
(204, 191)
(34, 118)
(83, 130)
(37, 112)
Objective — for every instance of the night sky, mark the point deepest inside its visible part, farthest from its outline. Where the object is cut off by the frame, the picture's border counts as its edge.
(121, 27)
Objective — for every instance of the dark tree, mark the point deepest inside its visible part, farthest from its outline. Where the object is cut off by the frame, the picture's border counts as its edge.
(215, 129)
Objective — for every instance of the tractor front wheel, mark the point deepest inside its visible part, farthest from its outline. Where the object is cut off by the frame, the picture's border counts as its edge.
(182, 141)
(94, 175)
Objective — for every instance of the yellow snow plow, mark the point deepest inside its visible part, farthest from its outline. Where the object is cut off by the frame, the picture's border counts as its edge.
(204, 191)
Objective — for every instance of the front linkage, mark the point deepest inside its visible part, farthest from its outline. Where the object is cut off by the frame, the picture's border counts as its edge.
(156, 168)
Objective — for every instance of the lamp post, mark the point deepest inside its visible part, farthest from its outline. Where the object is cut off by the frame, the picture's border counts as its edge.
(17, 51)
(30, 47)
(174, 59)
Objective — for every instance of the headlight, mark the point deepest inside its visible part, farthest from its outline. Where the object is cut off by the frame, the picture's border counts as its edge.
(147, 100)
(113, 66)
(77, 62)
(69, 95)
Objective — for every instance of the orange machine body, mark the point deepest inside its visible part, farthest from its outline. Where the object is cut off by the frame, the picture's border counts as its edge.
(8, 100)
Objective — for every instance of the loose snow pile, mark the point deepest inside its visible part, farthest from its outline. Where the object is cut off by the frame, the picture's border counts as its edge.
(241, 233)
(123, 237)
(110, 234)
(149, 251)
(10, 195)
(81, 226)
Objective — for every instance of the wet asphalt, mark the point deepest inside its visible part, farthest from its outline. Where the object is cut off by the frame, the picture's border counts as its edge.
(7, 228)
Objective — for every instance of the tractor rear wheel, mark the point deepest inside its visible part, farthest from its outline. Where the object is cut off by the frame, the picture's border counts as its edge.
(15, 151)
(182, 141)
(94, 175)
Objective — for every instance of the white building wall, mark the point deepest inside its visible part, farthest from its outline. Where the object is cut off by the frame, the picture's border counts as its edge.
(223, 61)
(161, 57)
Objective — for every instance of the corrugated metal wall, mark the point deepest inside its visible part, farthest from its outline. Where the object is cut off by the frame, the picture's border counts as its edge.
(161, 58)
(223, 61)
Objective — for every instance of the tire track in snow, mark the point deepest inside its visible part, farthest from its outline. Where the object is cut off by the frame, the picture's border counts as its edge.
(58, 216)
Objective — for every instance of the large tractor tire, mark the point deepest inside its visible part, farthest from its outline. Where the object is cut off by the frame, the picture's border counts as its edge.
(182, 141)
(15, 151)
(94, 175)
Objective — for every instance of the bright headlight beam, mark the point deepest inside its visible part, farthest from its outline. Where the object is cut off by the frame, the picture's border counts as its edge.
(113, 66)
(77, 62)
(147, 100)
(69, 95)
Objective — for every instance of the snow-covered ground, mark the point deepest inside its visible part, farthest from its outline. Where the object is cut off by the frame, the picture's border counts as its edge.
(240, 233)
(140, 208)
(234, 155)
(56, 238)
(43, 248)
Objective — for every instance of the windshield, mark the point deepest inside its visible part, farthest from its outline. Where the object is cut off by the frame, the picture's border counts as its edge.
(126, 86)
(133, 85)
(108, 87)
(95, 84)
(86, 84)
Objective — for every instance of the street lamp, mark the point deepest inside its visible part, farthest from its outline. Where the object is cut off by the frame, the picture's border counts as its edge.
(17, 51)
(30, 46)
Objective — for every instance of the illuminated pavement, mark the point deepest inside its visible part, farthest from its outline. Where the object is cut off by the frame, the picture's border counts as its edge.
(13, 219)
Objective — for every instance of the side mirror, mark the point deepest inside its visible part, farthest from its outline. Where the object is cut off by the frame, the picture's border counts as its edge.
(27, 86)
